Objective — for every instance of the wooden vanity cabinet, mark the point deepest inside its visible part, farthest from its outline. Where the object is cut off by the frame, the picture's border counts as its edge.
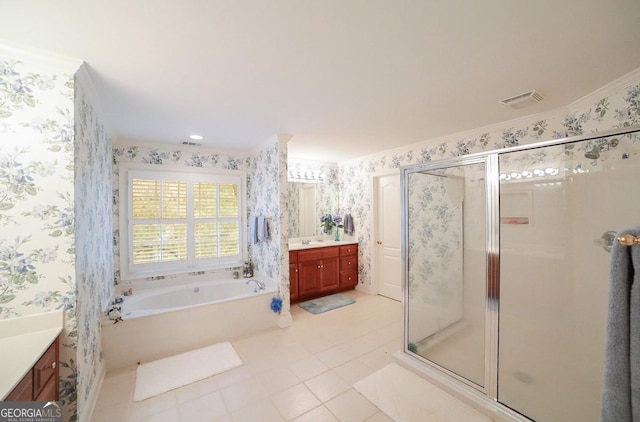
(41, 382)
(322, 271)
(24, 390)
(293, 276)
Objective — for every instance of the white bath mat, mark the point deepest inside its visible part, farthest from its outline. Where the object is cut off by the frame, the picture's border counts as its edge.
(166, 374)
(404, 396)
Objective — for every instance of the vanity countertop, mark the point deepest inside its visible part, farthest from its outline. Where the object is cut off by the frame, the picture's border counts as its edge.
(22, 341)
(295, 246)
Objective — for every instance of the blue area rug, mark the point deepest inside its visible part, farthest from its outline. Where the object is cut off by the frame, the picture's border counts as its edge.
(327, 303)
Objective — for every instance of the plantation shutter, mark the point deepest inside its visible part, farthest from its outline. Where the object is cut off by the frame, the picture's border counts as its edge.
(183, 220)
(159, 213)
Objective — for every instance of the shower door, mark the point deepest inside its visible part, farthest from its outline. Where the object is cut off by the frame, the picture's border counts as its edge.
(506, 268)
(447, 267)
(556, 203)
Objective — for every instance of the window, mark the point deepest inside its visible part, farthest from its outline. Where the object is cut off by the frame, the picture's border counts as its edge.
(180, 220)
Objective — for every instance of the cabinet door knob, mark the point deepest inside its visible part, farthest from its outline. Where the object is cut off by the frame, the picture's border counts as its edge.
(349, 262)
(318, 266)
(53, 365)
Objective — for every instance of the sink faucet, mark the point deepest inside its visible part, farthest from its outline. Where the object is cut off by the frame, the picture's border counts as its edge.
(306, 242)
(259, 284)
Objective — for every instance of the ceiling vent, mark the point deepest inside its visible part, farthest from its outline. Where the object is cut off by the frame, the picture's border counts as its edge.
(523, 100)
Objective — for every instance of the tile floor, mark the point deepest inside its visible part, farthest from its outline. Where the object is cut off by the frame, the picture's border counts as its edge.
(301, 373)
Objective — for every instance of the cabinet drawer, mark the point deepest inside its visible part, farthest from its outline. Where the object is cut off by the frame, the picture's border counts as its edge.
(348, 279)
(24, 390)
(318, 253)
(348, 263)
(45, 368)
(349, 250)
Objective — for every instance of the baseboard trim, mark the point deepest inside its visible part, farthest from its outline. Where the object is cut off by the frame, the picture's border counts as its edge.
(92, 401)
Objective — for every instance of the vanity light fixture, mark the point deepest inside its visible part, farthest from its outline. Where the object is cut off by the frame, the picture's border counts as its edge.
(305, 176)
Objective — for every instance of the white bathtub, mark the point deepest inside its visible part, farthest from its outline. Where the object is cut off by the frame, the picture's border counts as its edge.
(162, 322)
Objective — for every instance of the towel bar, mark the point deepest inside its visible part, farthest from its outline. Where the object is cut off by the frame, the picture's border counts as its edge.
(628, 240)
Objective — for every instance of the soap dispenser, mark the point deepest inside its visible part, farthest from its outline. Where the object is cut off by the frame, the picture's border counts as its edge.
(250, 273)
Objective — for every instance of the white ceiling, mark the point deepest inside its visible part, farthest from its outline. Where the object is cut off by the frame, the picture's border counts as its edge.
(345, 78)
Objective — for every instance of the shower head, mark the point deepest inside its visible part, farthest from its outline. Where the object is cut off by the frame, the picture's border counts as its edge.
(594, 154)
(603, 145)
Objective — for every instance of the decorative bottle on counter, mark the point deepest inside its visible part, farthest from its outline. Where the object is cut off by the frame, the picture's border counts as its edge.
(247, 270)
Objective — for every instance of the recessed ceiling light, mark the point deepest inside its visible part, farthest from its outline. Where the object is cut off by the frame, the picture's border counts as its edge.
(196, 137)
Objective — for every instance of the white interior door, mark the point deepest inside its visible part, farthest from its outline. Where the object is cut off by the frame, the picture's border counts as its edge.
(388, 269)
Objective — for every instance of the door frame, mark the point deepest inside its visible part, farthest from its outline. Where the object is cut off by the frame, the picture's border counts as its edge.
(373, 185)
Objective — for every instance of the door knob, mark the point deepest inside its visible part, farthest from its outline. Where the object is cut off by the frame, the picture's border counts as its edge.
(379, 242)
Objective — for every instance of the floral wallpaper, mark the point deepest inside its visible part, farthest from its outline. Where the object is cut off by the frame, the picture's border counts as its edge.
(94, 244)
(618, 108)
(269, 194)
(37, 250)
(435, 252)
(293, 208)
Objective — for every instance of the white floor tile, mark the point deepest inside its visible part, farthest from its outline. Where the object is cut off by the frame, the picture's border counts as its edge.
(295, 401)
(327, 386)
(308, 368)
(319, 414)
(196, 390)
(380, 417)
(264, 410)
(142, 409)
(278, 378)
(353, 371)
(333, 357)
(234, 376)
(206, 408)
(243, 394)
(169, 415)
(351, 406)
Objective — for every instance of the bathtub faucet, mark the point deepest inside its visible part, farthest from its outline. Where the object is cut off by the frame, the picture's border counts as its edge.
(259, 284)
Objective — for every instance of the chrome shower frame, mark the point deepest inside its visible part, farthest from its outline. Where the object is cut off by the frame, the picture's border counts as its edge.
(484, 398)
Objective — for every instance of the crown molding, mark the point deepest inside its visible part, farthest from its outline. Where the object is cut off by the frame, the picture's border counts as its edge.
(623, 82)
(627, 80)
(43, 59)
(495, 127)
(124, 142)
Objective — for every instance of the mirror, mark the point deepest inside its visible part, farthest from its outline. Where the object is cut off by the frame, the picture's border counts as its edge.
(307, 202)
(313, 191)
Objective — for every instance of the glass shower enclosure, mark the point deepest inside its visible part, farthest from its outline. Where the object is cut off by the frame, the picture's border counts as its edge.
(506, 269)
